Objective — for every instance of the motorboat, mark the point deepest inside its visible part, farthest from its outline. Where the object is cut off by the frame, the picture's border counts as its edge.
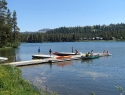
(42, 56)
(66, 53)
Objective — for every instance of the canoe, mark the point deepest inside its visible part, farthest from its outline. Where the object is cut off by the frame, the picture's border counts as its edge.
(90, 57)
(65, 53)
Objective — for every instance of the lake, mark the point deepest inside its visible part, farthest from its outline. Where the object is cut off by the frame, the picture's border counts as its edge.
(76, 77)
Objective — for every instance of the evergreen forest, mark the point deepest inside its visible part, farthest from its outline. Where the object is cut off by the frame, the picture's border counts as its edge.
(79, 33)
(10, 35)
(9, 31)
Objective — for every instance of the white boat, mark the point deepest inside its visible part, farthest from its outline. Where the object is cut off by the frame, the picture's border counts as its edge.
(42, 56)
(103, 54)
(3, 58)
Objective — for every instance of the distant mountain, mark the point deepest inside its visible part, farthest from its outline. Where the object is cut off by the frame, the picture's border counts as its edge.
(44, 30)
(28, 32)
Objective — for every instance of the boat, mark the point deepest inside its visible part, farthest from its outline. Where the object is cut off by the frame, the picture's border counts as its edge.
(63, 57)
(65, 53)
(102, 54)
(42, 56)
(90, 57)
(3, 58)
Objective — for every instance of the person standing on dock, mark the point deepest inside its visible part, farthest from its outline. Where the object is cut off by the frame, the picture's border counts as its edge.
(39, 50)
(50, 52)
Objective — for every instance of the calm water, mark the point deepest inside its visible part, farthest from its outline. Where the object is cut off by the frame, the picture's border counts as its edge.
(77, 77)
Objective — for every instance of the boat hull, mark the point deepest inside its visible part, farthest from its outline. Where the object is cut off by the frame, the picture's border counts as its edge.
(63, 57)
(103, 54)
(42, 56)
(64, 53)
(90, 57)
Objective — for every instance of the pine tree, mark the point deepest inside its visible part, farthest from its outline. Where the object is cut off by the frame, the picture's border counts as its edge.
(15, 28)
(9, 24)
(3, 7)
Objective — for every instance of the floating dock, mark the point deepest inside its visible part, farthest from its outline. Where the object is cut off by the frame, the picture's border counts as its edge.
(46, 60)
(52, 59)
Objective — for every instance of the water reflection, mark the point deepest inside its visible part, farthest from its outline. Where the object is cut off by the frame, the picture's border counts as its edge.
(50, 64)
(96, 75)
(60, 64)
(87, 61)
(65, 63)
(11, 53)
(76, 77)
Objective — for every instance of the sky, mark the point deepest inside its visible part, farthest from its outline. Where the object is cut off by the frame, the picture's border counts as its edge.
(33, 15)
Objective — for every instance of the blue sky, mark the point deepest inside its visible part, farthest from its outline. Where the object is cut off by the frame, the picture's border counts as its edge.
(33, 15)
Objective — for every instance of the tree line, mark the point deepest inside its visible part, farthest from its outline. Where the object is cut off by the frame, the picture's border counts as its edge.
(9, 31)
(78, 33)
(10, 35)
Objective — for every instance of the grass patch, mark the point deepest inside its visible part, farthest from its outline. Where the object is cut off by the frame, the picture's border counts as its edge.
(12, 83)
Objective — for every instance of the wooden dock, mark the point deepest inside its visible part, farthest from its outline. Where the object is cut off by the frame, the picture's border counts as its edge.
(46, 60)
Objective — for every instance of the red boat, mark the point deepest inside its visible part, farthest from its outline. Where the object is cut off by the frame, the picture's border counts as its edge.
(62, 57)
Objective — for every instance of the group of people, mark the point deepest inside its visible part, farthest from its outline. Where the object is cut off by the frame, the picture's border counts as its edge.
(89, 53)
(76, 52)
(105, 51)
(50, 51)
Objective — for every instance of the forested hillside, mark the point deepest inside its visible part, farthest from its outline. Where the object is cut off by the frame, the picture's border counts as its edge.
(79, 33)
(9, 31)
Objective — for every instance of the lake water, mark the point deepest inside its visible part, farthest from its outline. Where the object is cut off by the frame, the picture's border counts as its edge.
(77, 77)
